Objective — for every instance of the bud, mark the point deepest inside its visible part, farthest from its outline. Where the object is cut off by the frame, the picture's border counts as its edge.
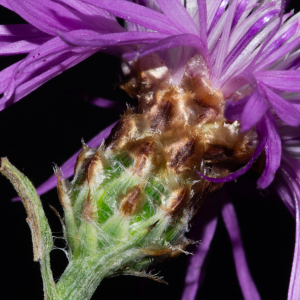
(131, 199)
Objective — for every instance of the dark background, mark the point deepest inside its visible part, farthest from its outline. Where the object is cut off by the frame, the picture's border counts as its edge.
(46, 127)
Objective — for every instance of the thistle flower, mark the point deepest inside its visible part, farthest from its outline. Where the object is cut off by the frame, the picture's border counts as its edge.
(217, 84)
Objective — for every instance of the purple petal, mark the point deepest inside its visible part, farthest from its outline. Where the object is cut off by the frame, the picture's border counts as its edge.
(21, 47)
(247, 284)
(6, 76)
(294, 286)
(281, 40)
(239, 11)
(105, 103)
(51, 16)
(101, 102)
(284, 109)
(285, 49)
(254, 109)
(253, 65)
(187, 40)
(92, 17)
(206, 226)
(20, 31)
(234, 109)
(281, 80)
(282, 188)
(176, 60)
(241, 171)
(178, 15)
(42, 15)
(68, 167)
(104, 40)
(248, 36)
(211, 12)
(267, 127)
(222, 50)
(5, 4)
(137, 14)
(294, 164)
(218, 14)
(202, 8)
(42, 64)
(293, 185)
(294, 64)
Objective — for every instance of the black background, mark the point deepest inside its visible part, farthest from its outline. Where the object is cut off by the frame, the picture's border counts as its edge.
(46, 127)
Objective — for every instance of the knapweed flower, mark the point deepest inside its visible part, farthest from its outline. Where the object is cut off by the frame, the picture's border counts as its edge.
(218, 90)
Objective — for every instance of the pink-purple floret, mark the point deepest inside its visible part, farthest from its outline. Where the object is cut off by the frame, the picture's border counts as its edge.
(62, 33)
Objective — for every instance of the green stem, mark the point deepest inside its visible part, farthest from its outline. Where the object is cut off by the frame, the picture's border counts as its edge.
(82, 276)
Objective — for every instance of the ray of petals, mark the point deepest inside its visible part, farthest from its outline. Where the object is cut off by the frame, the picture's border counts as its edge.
(285, 80)
(221, 54)
(288, 133)
(104, 40)
(68, 167)
(292, 147)
(178, 16)
(213, 38)
(294, 164)
(247, 37)
(254, 109)
(44, 15)
(5, 4)
(93, 17)
(267, 127)
(279, 41)
(294, 189)
(291, 63)
(206, 226)
(42, 64)
(281, 182)
(51, 16)
(176, 59)
(202, 8)
(212, 7)
(278, 22)
(281, 52)
(20, 31)
(21, 47)
(281, 187)
(240, 67)
(187, 40)
(243, 27)
(239, 11)
(250, 8)
(6, 76)
(285, 110)
(294, 286)
(247, 284)
(241, 171)
(137, 14)
(218, 14)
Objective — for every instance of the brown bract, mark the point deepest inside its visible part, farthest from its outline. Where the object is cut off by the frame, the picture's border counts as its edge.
(179, 130)
(132, 202)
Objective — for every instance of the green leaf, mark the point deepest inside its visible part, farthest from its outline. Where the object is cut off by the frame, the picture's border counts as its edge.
(38, 223)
